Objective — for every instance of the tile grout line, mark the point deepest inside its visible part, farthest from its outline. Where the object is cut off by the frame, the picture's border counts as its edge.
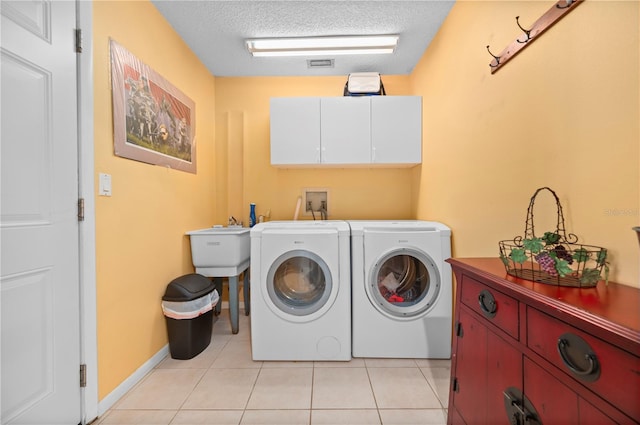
(313, 377)
(373, 393)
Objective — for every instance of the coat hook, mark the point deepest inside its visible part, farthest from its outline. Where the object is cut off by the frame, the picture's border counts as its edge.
(527, 32)
(568, 4)
(497, 58)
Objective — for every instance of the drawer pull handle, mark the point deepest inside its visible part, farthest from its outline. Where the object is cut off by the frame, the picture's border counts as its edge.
(487, 303)
(519, 409)
(590, 371)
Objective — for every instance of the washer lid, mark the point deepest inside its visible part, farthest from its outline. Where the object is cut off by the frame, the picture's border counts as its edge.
(301, 227)
(360, 227)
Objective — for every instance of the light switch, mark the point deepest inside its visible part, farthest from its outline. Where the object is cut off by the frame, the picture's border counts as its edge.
(105, 184)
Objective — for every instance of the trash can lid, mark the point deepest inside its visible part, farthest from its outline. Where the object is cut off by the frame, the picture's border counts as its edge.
(188, 287)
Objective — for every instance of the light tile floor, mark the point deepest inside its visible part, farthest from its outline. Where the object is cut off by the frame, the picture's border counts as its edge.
(223, 385)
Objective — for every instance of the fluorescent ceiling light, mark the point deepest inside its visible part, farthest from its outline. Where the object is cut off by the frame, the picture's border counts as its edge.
(310, 46)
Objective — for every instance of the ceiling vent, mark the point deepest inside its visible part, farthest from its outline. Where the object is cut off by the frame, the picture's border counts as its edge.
(320, 63)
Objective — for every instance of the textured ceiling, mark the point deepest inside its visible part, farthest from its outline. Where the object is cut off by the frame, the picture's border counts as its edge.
(216, 30)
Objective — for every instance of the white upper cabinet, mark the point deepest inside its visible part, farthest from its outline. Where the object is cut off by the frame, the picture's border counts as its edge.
(345, 130)
(295, 126)
(367, 130)
(396, 129)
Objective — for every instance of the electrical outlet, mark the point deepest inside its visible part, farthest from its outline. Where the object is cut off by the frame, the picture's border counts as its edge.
(316, 201)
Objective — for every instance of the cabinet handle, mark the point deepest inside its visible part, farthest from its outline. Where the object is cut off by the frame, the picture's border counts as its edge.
(519, 409)
(487, 303)
(591, 372)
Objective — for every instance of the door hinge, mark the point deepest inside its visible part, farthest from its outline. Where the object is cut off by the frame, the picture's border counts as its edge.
(455, 385)
(459, 331)
(81, 209)
(83, 375)
(78, 40)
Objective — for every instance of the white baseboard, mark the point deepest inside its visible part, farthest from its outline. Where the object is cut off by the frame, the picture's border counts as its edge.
(110, 400)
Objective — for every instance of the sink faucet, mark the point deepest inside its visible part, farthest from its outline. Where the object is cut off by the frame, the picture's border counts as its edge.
(232, 221)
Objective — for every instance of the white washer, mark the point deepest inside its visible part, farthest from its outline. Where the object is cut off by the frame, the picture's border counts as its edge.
(401, 289)
(301, 290)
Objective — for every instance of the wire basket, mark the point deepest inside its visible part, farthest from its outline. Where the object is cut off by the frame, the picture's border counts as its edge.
(556, 258)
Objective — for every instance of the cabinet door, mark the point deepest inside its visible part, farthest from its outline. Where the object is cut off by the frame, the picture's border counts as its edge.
(504, 370)
(295, 130)
(345, 130)
(396, 129)
(555, 403)
(589, 415)
(486, 366)
(470, 393)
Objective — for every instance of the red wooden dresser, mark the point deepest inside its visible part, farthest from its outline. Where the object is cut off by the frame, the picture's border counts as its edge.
(531, 353)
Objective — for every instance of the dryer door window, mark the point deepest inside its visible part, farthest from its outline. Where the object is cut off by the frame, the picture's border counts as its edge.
(404, 283)
(299, 283)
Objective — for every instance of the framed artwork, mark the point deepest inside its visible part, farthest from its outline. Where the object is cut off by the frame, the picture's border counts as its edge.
(153, 121)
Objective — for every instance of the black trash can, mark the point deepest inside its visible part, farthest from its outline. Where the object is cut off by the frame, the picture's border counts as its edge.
(188, 308)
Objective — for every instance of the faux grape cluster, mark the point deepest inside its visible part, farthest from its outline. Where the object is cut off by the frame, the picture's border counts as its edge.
(563, 254)
(547, 263)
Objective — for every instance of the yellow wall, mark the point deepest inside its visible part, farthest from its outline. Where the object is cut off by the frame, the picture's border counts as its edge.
(140, 238)
(354, 193)
(564, 113)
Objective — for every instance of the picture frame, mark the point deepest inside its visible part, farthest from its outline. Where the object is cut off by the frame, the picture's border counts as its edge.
(153, 121)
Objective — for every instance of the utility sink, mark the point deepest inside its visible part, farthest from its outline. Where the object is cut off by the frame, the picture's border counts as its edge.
(220, 247)
(224, 252)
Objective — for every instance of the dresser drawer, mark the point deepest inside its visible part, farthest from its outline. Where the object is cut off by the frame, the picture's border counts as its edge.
(599, 366)
(498, 308)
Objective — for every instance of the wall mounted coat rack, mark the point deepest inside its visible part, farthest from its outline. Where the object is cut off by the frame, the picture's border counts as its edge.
(551, 16)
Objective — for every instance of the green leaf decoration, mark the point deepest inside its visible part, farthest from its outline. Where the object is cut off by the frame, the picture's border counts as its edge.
(590, 276)
(562, 267)
(534, 245)
(581, 255)
(518, 255)
(602, 257)
(504, 259)
(606, 274)
(550, 238)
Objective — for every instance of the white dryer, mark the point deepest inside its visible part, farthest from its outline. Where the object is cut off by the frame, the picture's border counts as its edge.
(301, 290)
(401, 289)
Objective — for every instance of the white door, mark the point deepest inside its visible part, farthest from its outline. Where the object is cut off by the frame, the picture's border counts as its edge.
(39, 281)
